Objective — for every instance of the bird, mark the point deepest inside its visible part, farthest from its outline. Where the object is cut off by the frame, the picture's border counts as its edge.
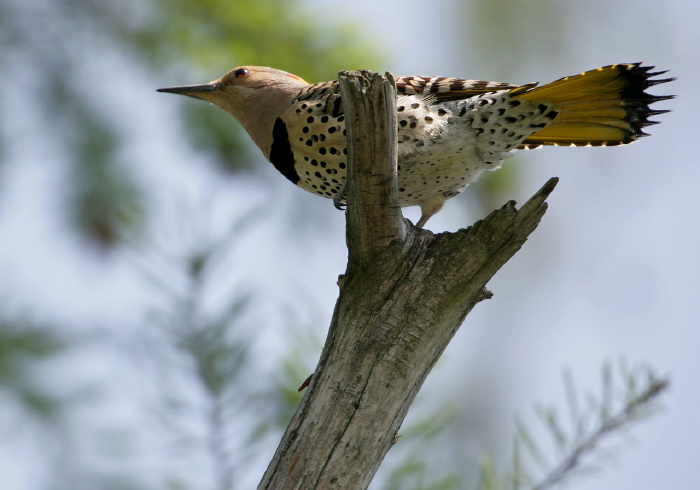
(449, 130)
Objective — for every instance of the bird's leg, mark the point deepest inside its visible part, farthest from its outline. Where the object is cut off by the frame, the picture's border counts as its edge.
(338, 196)
(429, 207)
(422, 221)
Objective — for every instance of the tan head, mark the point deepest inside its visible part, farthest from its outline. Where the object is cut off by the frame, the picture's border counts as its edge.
(255, 95)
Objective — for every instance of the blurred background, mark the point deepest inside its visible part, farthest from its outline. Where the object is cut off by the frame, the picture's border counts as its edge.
(164, 291)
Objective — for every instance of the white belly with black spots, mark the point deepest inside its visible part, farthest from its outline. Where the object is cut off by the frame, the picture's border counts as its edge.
(443, 147)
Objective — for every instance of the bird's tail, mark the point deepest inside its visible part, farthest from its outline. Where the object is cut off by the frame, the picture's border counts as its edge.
(603, 107)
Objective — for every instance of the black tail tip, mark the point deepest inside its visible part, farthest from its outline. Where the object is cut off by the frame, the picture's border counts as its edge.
(638, 79)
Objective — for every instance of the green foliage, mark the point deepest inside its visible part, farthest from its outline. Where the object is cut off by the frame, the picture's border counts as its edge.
(201, 355)
(107, 203)
(579, 446)
(24, 346)
(217, 35)
(413, 469)
(294, 370)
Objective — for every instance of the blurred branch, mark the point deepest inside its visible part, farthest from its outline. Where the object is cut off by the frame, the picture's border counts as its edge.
(641, 393)
(205, 348)
(578, 445)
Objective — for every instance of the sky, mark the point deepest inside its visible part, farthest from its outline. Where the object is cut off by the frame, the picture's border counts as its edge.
(610, 273)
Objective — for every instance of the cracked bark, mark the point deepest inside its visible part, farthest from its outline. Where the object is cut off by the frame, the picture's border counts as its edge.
(405, 293)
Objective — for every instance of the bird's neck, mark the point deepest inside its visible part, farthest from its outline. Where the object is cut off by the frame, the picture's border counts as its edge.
(258, 114)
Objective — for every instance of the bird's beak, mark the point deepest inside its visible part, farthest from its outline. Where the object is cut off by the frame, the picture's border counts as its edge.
(195, 91)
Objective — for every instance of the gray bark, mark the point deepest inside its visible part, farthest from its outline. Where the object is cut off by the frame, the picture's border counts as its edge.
(405, 293)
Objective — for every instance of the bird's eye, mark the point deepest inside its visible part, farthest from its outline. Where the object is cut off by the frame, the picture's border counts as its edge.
(241, 72)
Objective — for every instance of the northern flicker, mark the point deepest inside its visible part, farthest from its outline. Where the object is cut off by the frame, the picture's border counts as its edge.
(450, 130)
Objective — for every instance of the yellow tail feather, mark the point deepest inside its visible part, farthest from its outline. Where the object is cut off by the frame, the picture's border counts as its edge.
(603, 107)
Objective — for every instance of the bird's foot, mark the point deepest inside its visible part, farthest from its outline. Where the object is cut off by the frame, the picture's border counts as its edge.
(338, 196)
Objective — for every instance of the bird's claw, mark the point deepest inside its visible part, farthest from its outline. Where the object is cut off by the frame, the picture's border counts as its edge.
(338, 197)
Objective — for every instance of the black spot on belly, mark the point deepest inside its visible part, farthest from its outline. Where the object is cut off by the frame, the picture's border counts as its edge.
(281, 155)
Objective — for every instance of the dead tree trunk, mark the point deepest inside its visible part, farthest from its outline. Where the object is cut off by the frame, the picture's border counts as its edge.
(405, 293)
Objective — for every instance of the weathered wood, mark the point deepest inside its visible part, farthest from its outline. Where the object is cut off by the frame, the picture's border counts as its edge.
(405, 293)
(374, 216)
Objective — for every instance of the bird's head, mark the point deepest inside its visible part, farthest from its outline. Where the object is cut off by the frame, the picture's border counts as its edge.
(242, 85)
(255, 95)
